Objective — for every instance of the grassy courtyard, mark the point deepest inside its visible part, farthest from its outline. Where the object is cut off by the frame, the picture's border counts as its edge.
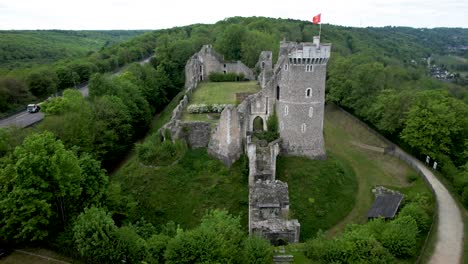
(217, 93)
(221, 92)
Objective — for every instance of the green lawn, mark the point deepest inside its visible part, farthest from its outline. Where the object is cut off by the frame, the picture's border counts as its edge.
(321, 192)
(221, 92)
(371, 168)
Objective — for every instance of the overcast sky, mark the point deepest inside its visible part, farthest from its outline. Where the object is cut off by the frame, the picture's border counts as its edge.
(157, 14)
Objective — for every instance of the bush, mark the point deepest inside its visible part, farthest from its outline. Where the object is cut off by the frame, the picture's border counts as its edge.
(399, 237)
(132, 246)
(257, 250)
(419, 215)
(157, 244)
(206, 108)
(157, 153)
(356, 245)
(226, 77)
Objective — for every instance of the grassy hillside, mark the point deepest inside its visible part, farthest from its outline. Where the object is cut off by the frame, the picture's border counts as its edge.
(25, 48)
(348, 140)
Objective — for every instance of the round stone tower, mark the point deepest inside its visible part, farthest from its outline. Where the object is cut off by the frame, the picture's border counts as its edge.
(300, 96)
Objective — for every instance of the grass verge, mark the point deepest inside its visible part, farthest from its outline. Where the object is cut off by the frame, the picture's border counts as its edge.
(321, 192)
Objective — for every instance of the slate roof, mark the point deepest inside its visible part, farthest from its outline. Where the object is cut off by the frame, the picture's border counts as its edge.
(385, 205)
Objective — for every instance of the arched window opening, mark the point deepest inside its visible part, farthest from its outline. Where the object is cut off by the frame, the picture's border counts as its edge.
(257, 124)
(286, 110)
(277, 92)
(311, 111)
(303, 127)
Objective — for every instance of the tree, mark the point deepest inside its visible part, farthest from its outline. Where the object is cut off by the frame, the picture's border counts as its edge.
(433, 122)
(95, 181)
(230, 42)
(112, 124)
(94, 236)
(254, 43)
(216, 240)
(13, 92)
(42, 82)
(41, 185)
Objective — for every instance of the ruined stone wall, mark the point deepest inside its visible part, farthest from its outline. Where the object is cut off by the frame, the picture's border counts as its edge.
(265, 64)
(226, 139)
(239, 67)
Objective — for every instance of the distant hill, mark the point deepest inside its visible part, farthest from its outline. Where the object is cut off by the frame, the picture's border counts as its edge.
(27, 48)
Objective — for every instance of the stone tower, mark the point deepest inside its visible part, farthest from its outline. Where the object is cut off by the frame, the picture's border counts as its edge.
(299, 89)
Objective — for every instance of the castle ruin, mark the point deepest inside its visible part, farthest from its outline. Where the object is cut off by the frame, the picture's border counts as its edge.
(295, 88)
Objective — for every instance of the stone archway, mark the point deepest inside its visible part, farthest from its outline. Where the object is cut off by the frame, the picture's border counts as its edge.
(257, 124)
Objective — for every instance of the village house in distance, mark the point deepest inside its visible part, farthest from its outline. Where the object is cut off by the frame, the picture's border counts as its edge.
(294, 88)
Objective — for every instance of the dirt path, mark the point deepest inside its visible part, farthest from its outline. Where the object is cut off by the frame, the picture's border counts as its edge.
(449, 244)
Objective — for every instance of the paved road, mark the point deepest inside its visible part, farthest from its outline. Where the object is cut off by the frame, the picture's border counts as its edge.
(449, 244)
(25, 119)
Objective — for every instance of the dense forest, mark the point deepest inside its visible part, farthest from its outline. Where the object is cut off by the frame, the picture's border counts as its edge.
(379, 74)
(28, 48)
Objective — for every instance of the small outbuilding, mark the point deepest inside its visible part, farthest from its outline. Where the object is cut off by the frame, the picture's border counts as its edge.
(386, 203)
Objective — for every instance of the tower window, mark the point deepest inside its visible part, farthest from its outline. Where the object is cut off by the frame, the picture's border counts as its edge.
(308, 92)
(309, 68)
(311, 111)
(286, 110)
(224, 65)
(286, 67)
(263, 64)
(277, 92)
(303, 128)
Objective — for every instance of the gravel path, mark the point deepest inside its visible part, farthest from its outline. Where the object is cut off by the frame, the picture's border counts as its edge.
(449, 244)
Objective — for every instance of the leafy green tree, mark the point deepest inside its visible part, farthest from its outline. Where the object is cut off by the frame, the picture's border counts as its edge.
(13, 92)
(216, 240)
(42, 82)
(112, 124)
(99, 85)
(94, 233)
(254, 43)
(41, 186)
(95, 181)
(230, 42)
(433, 121)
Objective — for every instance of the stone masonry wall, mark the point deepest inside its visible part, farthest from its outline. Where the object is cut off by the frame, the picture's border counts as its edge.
(226, 139)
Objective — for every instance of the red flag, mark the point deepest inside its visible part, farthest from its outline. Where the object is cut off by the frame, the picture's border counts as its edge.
(316, 19)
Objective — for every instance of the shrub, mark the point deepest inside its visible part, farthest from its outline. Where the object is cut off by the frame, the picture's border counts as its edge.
(157, 244)
(157, 153)
(132, 246)
(257, 250)
(226, 77)
(206, 108)
(399, 237)
(419, 215)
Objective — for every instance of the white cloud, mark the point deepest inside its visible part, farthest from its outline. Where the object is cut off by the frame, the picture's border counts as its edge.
(156, 14)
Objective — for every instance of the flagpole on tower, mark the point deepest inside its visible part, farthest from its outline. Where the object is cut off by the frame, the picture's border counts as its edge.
(316, 20)
(320, 29)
